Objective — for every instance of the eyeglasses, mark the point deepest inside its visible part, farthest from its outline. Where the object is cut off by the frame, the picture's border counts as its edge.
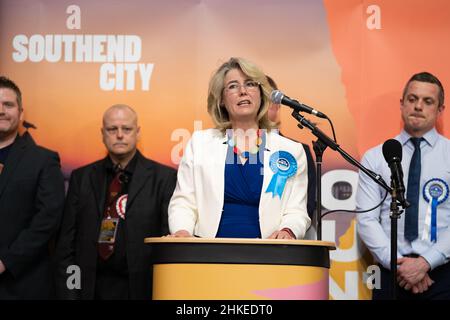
(235, 88)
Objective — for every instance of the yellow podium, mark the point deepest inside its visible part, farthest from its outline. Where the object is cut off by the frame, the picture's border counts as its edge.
(239, 269)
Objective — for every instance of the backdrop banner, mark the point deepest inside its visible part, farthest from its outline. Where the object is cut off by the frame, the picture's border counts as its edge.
(350, 59)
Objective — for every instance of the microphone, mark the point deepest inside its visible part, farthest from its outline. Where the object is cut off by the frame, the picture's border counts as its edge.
(392, 152)
(278, 97)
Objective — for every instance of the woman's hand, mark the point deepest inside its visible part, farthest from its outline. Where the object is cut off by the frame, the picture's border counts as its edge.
(282, 234)
(180, 234)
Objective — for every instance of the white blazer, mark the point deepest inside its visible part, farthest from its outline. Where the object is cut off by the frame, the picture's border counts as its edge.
(197, 202)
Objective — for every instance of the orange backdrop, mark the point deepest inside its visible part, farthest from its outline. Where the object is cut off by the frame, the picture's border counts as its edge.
(349, 59)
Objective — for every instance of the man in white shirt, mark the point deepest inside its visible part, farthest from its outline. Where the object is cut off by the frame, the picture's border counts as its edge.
(423, 234)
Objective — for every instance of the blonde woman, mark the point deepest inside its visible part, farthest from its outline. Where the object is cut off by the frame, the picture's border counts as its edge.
(241, 179)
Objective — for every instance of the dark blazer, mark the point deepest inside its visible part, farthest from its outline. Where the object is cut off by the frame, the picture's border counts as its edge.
(31, 205)
(150, 190)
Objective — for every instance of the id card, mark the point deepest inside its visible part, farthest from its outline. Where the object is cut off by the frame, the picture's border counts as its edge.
(108, 230)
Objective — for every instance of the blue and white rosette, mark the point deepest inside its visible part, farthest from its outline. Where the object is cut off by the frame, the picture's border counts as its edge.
(283, 166)
(435, 192)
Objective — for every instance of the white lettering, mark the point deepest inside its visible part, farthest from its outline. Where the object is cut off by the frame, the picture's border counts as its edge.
(350, 292)
(133, 47)
(74, 280)
(83, 48)
(73, 21)
(373, 280)
(98, 48)
(116, 45)
(146, 71)
(19, 43)
(88, 48)
(106, 79)
(53, 51)
(36, 48)
(68, 40)
(373, 22)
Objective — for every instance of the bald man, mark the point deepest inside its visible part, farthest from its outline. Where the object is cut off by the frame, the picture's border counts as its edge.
(111, 206)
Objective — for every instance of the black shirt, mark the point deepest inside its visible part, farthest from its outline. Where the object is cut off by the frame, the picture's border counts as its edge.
(4, 153)
(112, 275)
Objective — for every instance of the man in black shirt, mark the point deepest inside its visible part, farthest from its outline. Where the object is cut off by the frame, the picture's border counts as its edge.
(31, 204)
(112, 205)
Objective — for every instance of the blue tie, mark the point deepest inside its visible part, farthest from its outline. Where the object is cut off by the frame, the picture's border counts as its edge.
(413, 193)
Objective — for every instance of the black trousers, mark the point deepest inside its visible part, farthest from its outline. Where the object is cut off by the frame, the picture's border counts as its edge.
(110, 285)
(439, 290)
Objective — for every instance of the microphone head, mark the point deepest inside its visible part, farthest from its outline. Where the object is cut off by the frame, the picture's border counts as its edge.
(392, 151)
(276, 96)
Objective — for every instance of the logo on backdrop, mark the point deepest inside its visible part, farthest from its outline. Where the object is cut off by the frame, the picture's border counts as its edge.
(119, 55)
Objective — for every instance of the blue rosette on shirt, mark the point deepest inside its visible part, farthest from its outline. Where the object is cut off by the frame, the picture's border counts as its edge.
(435, 192)
(283, 166)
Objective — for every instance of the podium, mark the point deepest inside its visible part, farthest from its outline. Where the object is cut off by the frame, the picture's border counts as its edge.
(239, 269)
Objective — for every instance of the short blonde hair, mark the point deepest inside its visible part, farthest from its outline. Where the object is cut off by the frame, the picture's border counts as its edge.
(217, 110)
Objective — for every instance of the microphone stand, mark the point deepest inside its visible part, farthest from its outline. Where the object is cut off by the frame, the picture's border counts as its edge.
(319, 146)
(395, 215)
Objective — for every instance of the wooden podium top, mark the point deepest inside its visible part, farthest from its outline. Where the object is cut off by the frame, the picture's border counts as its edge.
(240, 251)
(329, 245)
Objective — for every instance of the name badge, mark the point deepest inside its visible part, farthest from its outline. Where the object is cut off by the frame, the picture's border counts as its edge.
(108, 230)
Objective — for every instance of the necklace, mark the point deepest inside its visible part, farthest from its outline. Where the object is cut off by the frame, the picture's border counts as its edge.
(245, 154)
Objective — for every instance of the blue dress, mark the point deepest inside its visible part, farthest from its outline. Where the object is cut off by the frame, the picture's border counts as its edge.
(243, 184)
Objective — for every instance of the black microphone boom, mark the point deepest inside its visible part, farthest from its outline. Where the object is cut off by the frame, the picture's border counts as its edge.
(278, 97)
(392, 152)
